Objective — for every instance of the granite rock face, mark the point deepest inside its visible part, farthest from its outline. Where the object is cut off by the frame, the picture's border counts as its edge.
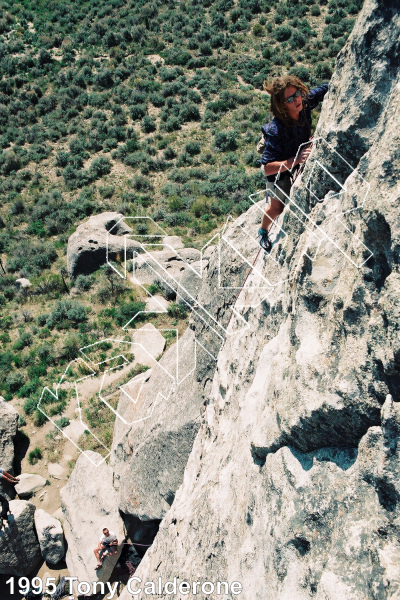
(51, 537)
(89, 504)
(8, 432)
(149, 343)
(19, 546)
(29, 484)
(168, 268)
(151, 449)
(291, 487)
(87, 246)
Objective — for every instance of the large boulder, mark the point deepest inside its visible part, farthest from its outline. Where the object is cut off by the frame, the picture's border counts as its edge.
(22, 282)
(29, 484)
(157, 303)
(8, 431)
(149, 343)
(167, 267)
(174, 241)
(51, 537)
(90, 503)
(88, 245)
(19, 546)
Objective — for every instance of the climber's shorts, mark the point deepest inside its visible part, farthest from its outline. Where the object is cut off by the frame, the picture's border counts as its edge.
(279, 194)
(285, 183)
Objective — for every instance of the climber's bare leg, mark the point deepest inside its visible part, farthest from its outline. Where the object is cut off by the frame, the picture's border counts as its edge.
(272, 212)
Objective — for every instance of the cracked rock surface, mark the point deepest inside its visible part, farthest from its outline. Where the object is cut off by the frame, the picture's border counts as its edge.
(291, 487)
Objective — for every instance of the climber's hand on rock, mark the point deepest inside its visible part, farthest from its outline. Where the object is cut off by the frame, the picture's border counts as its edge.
(304, 154)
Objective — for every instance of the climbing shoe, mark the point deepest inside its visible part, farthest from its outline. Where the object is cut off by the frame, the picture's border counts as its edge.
(264, 240)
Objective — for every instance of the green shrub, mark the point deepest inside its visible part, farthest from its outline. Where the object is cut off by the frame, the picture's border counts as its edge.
(282, 33)
(177, 311)
(148, 125)
(192, 148)
(62, 422)
(137, 112)
(25, 339)
(30, 405)
(66, 313)
(154, 288)
(297, 40)
(169, 153)
(125, 312)
(142, 184)
(189, 112)
(84, 282)
(34, 456)
(201, 206)
(31, 258)
(14, 382)
(225, 140)
(71, 347)
(99, 167)
(301, 72)
(323, 70)
(176, 219)
(39, 418)
(172, 124)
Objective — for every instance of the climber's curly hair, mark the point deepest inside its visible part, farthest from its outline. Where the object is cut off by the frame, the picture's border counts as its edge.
(276, 89)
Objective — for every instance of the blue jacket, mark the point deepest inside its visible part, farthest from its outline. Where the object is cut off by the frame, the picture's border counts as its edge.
(281, 141)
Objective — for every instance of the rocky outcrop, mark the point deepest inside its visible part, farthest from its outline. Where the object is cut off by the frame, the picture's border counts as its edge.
(169, 268)
(88, 246)
(190, 285)
(291, 487)
(148, 344)
(19, 546)
(151, 449)
(51, 537)
(23, 283)
(89, 504)
(29, 484)
(157, 303)
(8, 431)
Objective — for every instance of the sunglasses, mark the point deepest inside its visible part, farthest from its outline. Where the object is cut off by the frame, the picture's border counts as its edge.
(290, 99)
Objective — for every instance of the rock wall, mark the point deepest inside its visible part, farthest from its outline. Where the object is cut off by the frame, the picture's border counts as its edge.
(150, 453)
(8, 432)
(19, 546)
(89, 504)
(291, 487)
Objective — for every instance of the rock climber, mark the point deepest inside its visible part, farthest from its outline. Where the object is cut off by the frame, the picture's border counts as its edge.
(291, 105)
(107, 546)
(8, 477)
(5, 510)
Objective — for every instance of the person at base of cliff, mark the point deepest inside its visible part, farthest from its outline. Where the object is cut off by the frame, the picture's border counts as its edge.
(8, 477)
(291, 105)
(5, 510)
(107, 546)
